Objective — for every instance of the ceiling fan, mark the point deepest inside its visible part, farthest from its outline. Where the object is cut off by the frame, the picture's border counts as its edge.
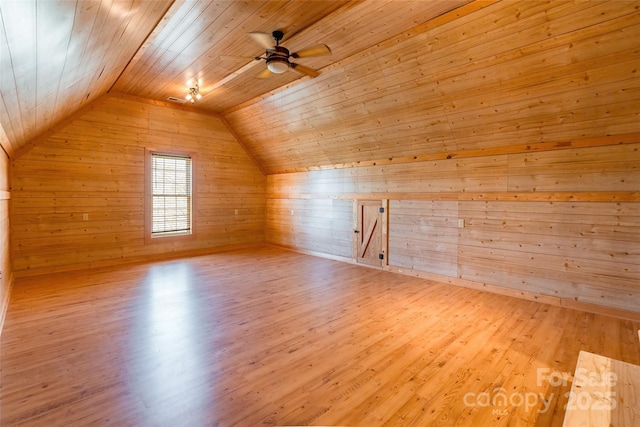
(277, 57)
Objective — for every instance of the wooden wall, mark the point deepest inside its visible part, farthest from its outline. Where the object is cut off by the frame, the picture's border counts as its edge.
(94, 165)
(5, 258)
(319, 225)
(561, 223)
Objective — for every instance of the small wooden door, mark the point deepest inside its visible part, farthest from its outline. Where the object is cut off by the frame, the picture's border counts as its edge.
(369, 232)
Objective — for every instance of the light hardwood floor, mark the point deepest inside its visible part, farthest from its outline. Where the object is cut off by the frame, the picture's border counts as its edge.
(264, 336)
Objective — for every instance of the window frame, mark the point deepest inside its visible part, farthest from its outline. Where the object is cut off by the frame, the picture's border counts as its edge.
(148, 199)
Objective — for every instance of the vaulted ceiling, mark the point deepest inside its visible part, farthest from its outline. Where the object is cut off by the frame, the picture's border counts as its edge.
(405, 78)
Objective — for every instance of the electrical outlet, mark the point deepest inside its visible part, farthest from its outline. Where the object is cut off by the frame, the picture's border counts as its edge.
(85, 217)
(236, 212)
(461, 223)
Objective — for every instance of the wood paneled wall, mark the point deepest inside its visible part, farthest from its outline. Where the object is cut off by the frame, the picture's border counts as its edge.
(319, 225)
(562, 223)
(5, 254)
(94, 166)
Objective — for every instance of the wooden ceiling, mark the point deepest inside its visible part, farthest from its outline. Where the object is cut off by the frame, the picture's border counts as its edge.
(406, 78)
(478, 78)
(57, 56)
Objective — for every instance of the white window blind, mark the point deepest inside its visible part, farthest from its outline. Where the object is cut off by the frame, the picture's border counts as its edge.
(171, 194)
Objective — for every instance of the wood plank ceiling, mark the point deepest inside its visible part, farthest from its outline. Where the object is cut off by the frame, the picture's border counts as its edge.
(507, 74)
(405, 78)
(56, 56)
(59, 55)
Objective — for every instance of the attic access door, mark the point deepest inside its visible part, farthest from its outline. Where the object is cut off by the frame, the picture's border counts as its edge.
(370, 232)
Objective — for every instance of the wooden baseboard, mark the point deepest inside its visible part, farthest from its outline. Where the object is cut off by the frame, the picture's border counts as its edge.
(501, 290)
(4, 304)
(600, 309)
(315, 253)
(530, 296)
(133, 260)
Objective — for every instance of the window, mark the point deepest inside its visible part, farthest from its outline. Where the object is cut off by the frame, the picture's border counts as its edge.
(171, 189)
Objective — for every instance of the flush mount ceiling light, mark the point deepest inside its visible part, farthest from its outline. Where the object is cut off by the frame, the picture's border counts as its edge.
(194, 93)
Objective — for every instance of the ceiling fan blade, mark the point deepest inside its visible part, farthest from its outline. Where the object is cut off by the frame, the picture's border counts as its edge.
(317, 50)
(305, 70)
(264, 74)
(263, 39)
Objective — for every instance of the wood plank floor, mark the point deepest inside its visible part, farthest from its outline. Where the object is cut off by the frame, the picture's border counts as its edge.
(269, 337)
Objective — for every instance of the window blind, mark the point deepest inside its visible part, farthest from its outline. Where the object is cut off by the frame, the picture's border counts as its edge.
(171, 194)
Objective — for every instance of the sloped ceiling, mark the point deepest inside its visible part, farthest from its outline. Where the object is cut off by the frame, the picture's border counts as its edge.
(57, 56)
(406, 78)
(507, 74)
